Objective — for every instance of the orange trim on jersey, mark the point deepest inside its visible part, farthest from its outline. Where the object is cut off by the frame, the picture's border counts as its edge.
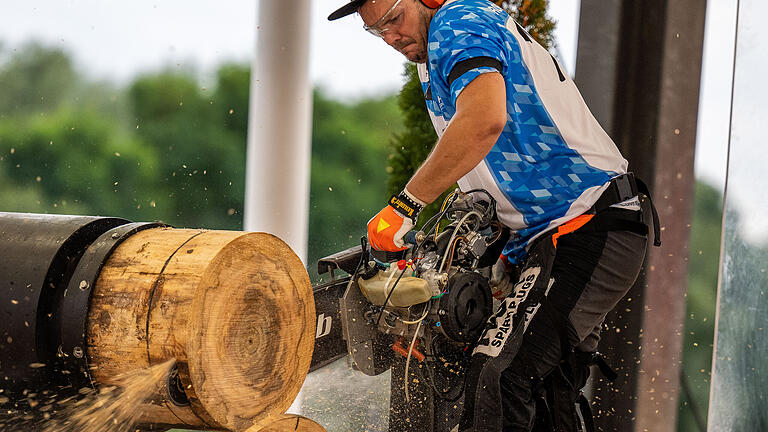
(571, 226)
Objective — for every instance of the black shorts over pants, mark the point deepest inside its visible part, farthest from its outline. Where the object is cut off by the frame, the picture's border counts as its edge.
(566, 288)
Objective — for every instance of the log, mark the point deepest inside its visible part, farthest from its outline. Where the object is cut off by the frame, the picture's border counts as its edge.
(288, 423)
(234, 309)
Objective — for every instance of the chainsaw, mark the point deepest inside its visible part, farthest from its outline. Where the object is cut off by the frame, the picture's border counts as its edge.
(428, 303)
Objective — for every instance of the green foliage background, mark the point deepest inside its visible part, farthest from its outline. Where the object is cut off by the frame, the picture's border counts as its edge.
(701, 300)
(165, 148)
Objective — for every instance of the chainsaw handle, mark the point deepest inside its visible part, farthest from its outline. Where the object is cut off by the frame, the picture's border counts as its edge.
(414, 237)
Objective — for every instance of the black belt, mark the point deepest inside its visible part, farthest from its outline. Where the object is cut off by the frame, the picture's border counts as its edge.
(620, 189)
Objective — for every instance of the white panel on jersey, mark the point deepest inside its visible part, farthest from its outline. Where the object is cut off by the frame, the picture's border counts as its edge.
(565, 105)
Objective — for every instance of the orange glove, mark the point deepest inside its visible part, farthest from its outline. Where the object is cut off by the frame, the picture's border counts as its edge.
(387, 228)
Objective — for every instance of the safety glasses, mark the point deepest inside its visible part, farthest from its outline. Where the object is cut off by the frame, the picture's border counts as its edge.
(384, 24)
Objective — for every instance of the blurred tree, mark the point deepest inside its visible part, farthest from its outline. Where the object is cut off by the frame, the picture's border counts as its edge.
(36, 79)
(532, 14)
(167, 149)
(58, 151)
(195, 135)
(349, 151)
(232, 94)
(410, 148)
(701, 303)
(74, 162)
(201, 162)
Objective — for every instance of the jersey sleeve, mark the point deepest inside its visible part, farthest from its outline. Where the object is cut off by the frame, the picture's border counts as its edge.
(465, 48)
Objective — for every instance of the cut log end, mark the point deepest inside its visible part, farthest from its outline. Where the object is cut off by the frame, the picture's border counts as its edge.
(249, 340)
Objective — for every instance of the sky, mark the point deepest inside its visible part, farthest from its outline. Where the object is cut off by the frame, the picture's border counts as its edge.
(115, 41)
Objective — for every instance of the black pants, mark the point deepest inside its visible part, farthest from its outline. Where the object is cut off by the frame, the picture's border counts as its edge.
(561, 299)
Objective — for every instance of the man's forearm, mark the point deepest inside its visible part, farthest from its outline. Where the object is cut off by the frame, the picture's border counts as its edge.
(481, 114)
(463, 145)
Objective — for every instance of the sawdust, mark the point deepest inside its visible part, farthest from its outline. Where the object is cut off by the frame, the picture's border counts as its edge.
(111, 409)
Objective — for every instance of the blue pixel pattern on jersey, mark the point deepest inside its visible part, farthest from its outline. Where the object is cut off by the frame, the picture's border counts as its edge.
(533, 167)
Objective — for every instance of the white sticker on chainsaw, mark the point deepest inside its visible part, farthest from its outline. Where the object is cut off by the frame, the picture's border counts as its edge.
(323, 326)
(500, 324)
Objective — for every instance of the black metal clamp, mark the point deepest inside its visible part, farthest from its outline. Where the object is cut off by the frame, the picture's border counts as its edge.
(72, 315)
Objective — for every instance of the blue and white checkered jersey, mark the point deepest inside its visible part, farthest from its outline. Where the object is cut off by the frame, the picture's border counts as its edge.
(552, 160)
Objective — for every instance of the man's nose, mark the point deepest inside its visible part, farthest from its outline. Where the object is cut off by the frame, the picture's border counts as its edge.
(391, 37)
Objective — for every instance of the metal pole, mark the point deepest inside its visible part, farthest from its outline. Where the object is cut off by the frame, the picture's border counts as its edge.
(279, 125)
(664, 310)
(648, 93)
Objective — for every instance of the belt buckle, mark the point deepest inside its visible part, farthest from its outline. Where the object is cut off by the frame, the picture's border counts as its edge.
(624, 187)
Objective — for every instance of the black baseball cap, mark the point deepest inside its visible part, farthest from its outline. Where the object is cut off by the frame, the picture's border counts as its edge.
(347, 9)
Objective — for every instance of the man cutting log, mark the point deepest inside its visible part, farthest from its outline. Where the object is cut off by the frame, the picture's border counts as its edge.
(512, 123)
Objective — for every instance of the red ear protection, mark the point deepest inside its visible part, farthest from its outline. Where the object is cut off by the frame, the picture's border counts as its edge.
(433, 4)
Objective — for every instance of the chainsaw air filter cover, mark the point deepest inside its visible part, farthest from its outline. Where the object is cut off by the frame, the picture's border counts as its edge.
(465, 307)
